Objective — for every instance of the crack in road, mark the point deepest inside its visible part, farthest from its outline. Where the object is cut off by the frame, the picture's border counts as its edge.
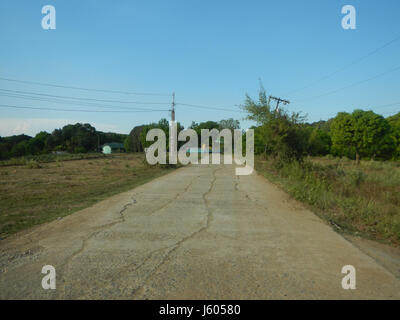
(88, 238)
(121, 220)
(174, 247)
(200, 247)
(176, 196)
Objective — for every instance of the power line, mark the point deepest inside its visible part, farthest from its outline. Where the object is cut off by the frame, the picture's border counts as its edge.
(365, 107)
(388, 105)
(82, 88)
(19, 94)
(390, 112)
(352, 85)
(80, 98)
(59, 99)
(72, 110)
(208, 107)
(346, 66)
(27, 97)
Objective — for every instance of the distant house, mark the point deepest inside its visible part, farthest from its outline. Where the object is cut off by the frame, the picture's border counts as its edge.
(112, 147)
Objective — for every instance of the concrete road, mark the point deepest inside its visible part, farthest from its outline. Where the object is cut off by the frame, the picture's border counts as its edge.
(198, 233)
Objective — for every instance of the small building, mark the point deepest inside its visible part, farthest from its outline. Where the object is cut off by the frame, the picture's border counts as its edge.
(112, 147)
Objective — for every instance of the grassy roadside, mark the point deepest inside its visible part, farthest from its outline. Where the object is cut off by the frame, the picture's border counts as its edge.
(363, 200)
(39, 192)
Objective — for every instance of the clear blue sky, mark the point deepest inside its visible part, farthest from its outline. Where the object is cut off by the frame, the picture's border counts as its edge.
(209, 52)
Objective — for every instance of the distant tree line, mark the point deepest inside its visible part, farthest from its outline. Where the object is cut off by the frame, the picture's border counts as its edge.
(72, 138)
(286, 136)
(136, 140)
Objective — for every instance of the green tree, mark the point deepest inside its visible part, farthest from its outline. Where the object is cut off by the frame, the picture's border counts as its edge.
(319, 142)
(3, 151)
(128, 144)
(37, 145)
(20, 149)
(361, 134)
(260, 142)
(394, 122)
(284, 134)
(77, 137)
(209, 125)
(163, 124)
(229, 124)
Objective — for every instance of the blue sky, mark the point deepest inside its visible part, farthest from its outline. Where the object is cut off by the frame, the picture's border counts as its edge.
(209, 52)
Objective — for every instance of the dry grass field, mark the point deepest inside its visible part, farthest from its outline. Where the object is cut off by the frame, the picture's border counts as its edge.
(362, 200)
(37, 192)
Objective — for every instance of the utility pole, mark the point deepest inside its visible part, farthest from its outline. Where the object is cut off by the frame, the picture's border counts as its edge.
(173, 107)
(278, 100)
(173, 158)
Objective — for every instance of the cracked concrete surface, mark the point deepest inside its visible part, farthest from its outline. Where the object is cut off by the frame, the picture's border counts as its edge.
(198, 233)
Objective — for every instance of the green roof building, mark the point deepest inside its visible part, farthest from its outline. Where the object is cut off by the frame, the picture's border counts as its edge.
(112, 147)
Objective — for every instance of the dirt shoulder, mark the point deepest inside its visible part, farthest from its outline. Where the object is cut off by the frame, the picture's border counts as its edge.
(386, 255)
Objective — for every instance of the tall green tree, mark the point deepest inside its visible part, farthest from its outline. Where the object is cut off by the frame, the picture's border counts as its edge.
(361, 134)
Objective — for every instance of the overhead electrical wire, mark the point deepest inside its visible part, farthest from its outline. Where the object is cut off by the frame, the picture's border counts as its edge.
(365, 107)
(79, 103)
(82, 88)
(27, 97)
(390, 112)
(30, 95)
(76, 110)
(351, 85)
(208, 107)
(80, 98)
(346, 66)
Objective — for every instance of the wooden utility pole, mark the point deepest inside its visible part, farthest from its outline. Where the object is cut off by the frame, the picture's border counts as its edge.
(278, 100)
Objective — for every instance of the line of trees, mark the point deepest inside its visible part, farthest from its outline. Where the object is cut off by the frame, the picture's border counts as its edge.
(136, 141)
(282, 135)
(286, 136)
(72, 138)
